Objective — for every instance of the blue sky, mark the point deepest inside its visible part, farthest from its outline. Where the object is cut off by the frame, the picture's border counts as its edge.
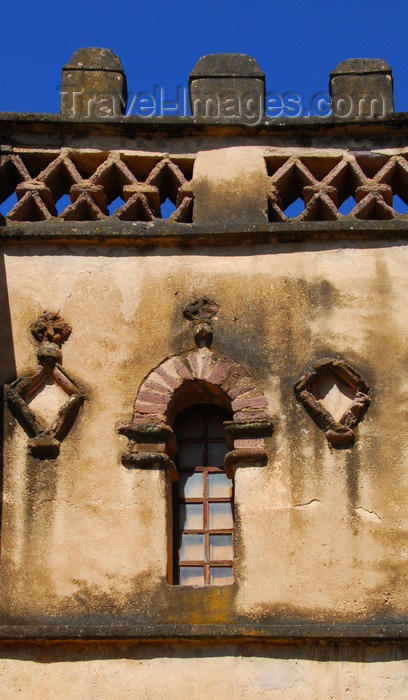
(296, 43)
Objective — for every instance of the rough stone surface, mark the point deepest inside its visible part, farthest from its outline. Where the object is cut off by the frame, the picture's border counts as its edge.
(93, 84)
(228, 87)
(362, 87)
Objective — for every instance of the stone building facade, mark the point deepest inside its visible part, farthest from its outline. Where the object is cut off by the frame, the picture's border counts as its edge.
(204, 464)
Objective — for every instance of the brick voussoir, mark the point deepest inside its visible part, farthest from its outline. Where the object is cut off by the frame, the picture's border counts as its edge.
(156, 408)
(150, 385)
(150, 397)
(243, 386)
(193, 361)
(220, 370)
(172, 382)
(206, 360)
(249, 401)
(233, 377)
(181, 368)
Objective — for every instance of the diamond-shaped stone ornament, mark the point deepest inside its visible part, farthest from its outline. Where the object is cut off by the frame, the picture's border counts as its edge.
(46, 400)
(336, 397)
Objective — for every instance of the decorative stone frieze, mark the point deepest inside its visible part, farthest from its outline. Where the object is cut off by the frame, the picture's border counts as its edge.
(142, 182)
(93, 179)
(326, 181)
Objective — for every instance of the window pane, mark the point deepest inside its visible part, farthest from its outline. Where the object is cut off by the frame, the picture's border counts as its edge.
(191, 516)
(190, 456)
(216, 454)
(191, 485)
(191, 576)
(220, 575)
(215, 425)
(189, 425)
(219, 486)
(220, 547)
(220, 516)
(192, 548)
(204, 554)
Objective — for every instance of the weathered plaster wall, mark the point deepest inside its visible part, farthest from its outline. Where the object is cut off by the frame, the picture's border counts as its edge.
(171, 672)
(320, 534)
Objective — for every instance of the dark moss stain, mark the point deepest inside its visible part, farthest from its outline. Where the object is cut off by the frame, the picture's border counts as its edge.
(386, 352)
(291, 311)
(181, 337)
(38, 507)
(387, 597)
(352, 463)
(239, 546)
(381, 455)
(147, 602)
(323, 296)
(208, 605)
(383, 281)
(41, 482)
(152, 608)
(243, 336)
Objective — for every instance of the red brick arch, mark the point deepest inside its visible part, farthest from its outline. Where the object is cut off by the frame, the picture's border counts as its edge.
(198, 376)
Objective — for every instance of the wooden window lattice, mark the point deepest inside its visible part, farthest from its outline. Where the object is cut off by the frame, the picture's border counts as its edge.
(202, 501)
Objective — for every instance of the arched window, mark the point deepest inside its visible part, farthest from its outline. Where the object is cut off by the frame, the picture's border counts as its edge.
(203, 517)
(177, 425)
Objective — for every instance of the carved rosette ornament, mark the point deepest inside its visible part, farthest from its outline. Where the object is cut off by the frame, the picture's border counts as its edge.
(51, 331)
(326, 378)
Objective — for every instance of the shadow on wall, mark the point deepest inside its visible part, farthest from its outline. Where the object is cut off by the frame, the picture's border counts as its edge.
(7, 361)
(94, 651)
